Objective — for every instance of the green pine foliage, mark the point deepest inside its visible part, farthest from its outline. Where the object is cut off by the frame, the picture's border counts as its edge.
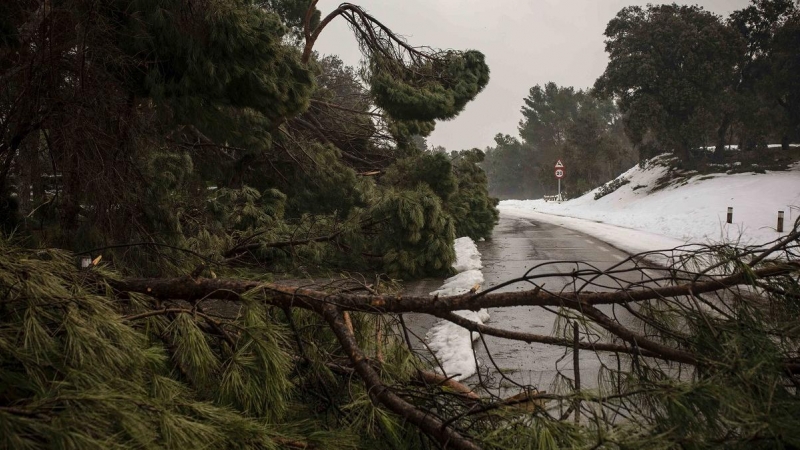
(460, 183)
(474, 211)
(76, 375)
(416, 235)
(81, 368)
(433, 169)
(229, 57)
(328, 186)
(435, 89)
(292, 12)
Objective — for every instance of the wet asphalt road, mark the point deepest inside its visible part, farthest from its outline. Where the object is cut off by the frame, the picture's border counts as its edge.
(516, 246)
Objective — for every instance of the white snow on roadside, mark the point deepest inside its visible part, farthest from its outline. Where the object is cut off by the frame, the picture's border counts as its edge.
(694, 212)
(451, 343)
(467, 255)
(460, 283)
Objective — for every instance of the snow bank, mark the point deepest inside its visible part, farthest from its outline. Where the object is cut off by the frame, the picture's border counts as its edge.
(467, 255)
(460, 283)
(643, 219)
(451, 343)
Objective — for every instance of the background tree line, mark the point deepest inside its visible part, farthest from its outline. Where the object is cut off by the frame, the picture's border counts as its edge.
(585, 132)
(680, 79)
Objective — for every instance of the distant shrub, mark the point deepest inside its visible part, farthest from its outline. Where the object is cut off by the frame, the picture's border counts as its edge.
(610, 187)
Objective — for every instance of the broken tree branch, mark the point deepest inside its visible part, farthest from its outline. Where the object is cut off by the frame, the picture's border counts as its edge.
(380, 393)
(185, 288)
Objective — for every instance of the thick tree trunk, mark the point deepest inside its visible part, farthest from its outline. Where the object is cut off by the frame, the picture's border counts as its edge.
(71, 177)
(683, 153)
(719, 151)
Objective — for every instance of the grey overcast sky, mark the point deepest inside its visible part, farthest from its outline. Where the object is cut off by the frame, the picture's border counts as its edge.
(526, 42)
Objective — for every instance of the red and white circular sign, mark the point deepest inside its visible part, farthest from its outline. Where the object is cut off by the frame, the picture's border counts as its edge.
(559, 173)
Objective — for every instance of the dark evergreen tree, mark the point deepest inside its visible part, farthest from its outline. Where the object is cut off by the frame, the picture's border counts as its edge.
(547, 114)
(785, 63)
(760, 118)
(473, 210)
(673, 69)
(511, 168)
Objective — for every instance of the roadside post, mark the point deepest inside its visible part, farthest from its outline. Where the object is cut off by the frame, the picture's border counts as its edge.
(730, 214)
(559, 175)
(780, 221)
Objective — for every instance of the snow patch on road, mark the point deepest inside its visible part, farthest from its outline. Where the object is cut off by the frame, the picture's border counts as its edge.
(451, 343)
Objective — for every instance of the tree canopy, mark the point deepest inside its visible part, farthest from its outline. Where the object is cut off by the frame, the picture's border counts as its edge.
(673, 69)
(145, 122)
(680, 79)
(689, 78)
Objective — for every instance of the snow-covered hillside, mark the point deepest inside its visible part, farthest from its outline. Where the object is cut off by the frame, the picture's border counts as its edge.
(690, 210)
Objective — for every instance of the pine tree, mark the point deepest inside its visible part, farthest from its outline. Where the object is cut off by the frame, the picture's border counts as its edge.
(474, 211)
(198, 140)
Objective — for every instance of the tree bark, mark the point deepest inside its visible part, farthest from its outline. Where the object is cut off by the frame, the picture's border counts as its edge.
(256, 245)
(542, 339)
(719, 151)
(188, 288)
(381, 394)
(683, 154)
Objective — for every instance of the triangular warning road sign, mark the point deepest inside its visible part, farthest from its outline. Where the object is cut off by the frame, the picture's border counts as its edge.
(559, 165)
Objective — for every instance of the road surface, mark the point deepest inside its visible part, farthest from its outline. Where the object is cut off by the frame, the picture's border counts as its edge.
(517, 245)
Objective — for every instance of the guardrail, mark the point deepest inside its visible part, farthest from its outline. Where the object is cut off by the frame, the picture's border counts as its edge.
(553, 198)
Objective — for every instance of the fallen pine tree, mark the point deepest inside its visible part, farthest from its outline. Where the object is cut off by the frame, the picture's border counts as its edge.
(90, 359)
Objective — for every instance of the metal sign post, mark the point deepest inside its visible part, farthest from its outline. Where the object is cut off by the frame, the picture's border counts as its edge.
(559, 174)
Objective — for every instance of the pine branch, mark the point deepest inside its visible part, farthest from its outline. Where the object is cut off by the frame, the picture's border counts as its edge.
(380, 393)
(542, 339)
(238, 250)
(279, 295)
